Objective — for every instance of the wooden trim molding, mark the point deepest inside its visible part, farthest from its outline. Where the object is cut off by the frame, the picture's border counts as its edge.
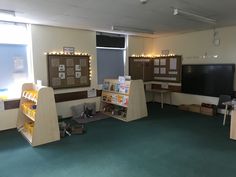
(62, 97)
(70, 96)
(12, 104)
(174, 88)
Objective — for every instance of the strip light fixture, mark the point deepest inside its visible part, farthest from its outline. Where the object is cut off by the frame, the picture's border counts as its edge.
(193, 16)
(131, 29)
(7, 12)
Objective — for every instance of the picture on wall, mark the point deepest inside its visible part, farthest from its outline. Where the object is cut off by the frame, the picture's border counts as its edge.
(70, 50)
(62, 75)
(77, 68)
(68, 71)
(61, 68)
(77, 75)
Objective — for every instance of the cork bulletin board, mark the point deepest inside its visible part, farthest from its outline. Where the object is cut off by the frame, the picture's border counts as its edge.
(167, 69)
(68, 71)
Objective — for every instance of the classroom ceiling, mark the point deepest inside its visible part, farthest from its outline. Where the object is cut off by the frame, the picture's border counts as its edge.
(101, 15)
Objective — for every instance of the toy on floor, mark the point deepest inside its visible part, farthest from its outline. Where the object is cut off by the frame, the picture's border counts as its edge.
(83, 111)
(71, 128)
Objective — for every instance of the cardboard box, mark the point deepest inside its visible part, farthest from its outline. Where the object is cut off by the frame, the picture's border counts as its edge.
(208, 111)
(195, 108)
(183, 107)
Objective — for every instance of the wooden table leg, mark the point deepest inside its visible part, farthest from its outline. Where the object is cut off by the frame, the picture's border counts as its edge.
(226, 110)
(233, 126)
(162, 100)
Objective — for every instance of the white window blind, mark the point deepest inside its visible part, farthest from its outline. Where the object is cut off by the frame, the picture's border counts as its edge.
(15, 60)
(110, 64)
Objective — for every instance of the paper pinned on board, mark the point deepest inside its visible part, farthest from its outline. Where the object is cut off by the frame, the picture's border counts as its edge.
(173, 64)
(2, 108)
(156, 62)
(156, 70)
(163, 70)
(92, 93)
(163, 62)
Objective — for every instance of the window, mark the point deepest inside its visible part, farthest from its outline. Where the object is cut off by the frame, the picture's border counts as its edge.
(15, 63)
(110, 56)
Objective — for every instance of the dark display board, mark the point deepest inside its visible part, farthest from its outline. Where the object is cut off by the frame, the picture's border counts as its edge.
(68, 71)
(110, 41)
(167, 69)
(141, 68)
(208, 79)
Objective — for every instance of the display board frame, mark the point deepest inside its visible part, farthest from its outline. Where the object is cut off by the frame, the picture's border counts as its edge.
(163, 68)
(168, 69)
(141, 68)
(68, 71)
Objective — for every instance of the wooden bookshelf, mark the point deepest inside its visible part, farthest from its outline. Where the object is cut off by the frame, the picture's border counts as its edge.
(125, 101)
(37, 117)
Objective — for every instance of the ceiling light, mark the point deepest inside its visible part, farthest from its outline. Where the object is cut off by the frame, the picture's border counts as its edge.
(216, 38)
(193, 16)
(143, 1)
(7, 12)
(131, 29)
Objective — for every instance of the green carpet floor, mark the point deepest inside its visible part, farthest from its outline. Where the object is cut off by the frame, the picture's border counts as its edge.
(169, 143)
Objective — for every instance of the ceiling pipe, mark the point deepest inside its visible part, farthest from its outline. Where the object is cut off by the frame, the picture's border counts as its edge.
(193, 16)
(131, 29)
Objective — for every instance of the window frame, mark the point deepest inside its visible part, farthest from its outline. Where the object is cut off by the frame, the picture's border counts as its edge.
(13, 94)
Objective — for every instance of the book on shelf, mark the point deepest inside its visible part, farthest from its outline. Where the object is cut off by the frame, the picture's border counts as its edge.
(122, 88)
(126, 89)
(106, 85)
(125, 101)
(112, 87)
(114, 98)
(120, 99)
(109, 98)
(104, 97)
(117, 87)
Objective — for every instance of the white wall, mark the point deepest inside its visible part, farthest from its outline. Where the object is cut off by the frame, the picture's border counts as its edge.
(192, 46)
(8, 119)
(49, 39)
(138, 45)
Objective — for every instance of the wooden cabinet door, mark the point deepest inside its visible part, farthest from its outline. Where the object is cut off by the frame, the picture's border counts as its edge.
(135, 68)
(148, 70)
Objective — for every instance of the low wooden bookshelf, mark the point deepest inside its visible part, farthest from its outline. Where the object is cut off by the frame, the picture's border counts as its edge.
(124, 101)
(37, 117)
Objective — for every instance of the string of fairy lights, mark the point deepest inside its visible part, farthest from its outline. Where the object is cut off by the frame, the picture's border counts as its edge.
(66, 53)
(90, 58)
(151, 56)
